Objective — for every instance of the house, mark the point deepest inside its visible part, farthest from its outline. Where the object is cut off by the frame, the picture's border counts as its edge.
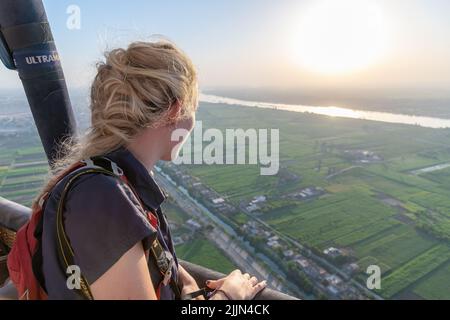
(259, 199)
(252, 207)
(274, 238)
(288, 253)
(177, 241)
(266, 233)
(273, 244)
(333, 279)
(218, 200)
(302, 263)
(352, 268)
(193, 225)
(332, 252)
(307, 193)
(322, 271)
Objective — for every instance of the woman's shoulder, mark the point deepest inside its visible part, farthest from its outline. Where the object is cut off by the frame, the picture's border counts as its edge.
(102, 183)
(99, 191)
(103, 220)
(93, 185)
(95, 198)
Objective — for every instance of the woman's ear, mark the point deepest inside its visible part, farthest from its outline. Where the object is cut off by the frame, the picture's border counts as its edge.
(174, 112)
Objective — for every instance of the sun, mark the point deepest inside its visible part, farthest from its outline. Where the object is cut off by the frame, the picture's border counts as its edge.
(342, 36)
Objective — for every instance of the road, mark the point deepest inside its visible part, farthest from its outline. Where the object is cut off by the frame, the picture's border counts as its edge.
(341, 171)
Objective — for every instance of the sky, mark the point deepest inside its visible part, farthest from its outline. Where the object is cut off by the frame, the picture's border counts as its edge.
(264, 43)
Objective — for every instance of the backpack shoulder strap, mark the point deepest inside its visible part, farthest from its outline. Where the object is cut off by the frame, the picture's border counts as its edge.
(65, 251)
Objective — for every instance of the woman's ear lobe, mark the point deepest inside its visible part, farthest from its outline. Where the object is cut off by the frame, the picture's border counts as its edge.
(174, 111)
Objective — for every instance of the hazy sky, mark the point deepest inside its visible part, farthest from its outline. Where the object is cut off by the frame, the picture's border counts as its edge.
(258, 42)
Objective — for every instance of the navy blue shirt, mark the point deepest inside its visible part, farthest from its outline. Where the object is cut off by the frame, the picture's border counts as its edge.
(103, 220)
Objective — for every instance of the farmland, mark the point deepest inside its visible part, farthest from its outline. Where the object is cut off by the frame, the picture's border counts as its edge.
(379, 209)
(380, 212)
(204, 253)
(23, 168)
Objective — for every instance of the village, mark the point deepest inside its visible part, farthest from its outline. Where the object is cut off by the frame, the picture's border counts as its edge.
(327, 283)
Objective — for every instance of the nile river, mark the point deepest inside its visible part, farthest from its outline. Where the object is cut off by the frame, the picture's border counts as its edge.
(332, 111)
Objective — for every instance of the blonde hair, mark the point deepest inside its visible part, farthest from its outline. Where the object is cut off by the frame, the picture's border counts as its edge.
(134, 89)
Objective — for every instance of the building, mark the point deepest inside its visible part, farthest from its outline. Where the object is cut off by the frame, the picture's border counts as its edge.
(273, 244)
(274, 238)
(322, 271)
(351, 268)
(177, 241)
(218, 200)
(193, 225)
(307, 193)
(256, 203)
(302, 263)
(333, 279)
(288, 253)
(252, 207)
(332, 252)
(258, 199)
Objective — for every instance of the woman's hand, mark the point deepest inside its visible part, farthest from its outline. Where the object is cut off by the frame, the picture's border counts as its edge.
(237, 286)
(188, 283)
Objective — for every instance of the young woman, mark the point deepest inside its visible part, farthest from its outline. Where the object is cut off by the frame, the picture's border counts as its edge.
(140, 95)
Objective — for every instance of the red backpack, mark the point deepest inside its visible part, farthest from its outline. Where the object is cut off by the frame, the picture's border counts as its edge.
(25, 259)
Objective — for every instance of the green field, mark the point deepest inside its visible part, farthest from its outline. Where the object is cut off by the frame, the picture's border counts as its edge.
(415, 269)
(409, 239)
(174, 213)
(24, 168)
(434, 286)
(202, 252)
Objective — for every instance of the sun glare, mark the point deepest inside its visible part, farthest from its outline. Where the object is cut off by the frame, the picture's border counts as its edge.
(340, 36)
(333, 111)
